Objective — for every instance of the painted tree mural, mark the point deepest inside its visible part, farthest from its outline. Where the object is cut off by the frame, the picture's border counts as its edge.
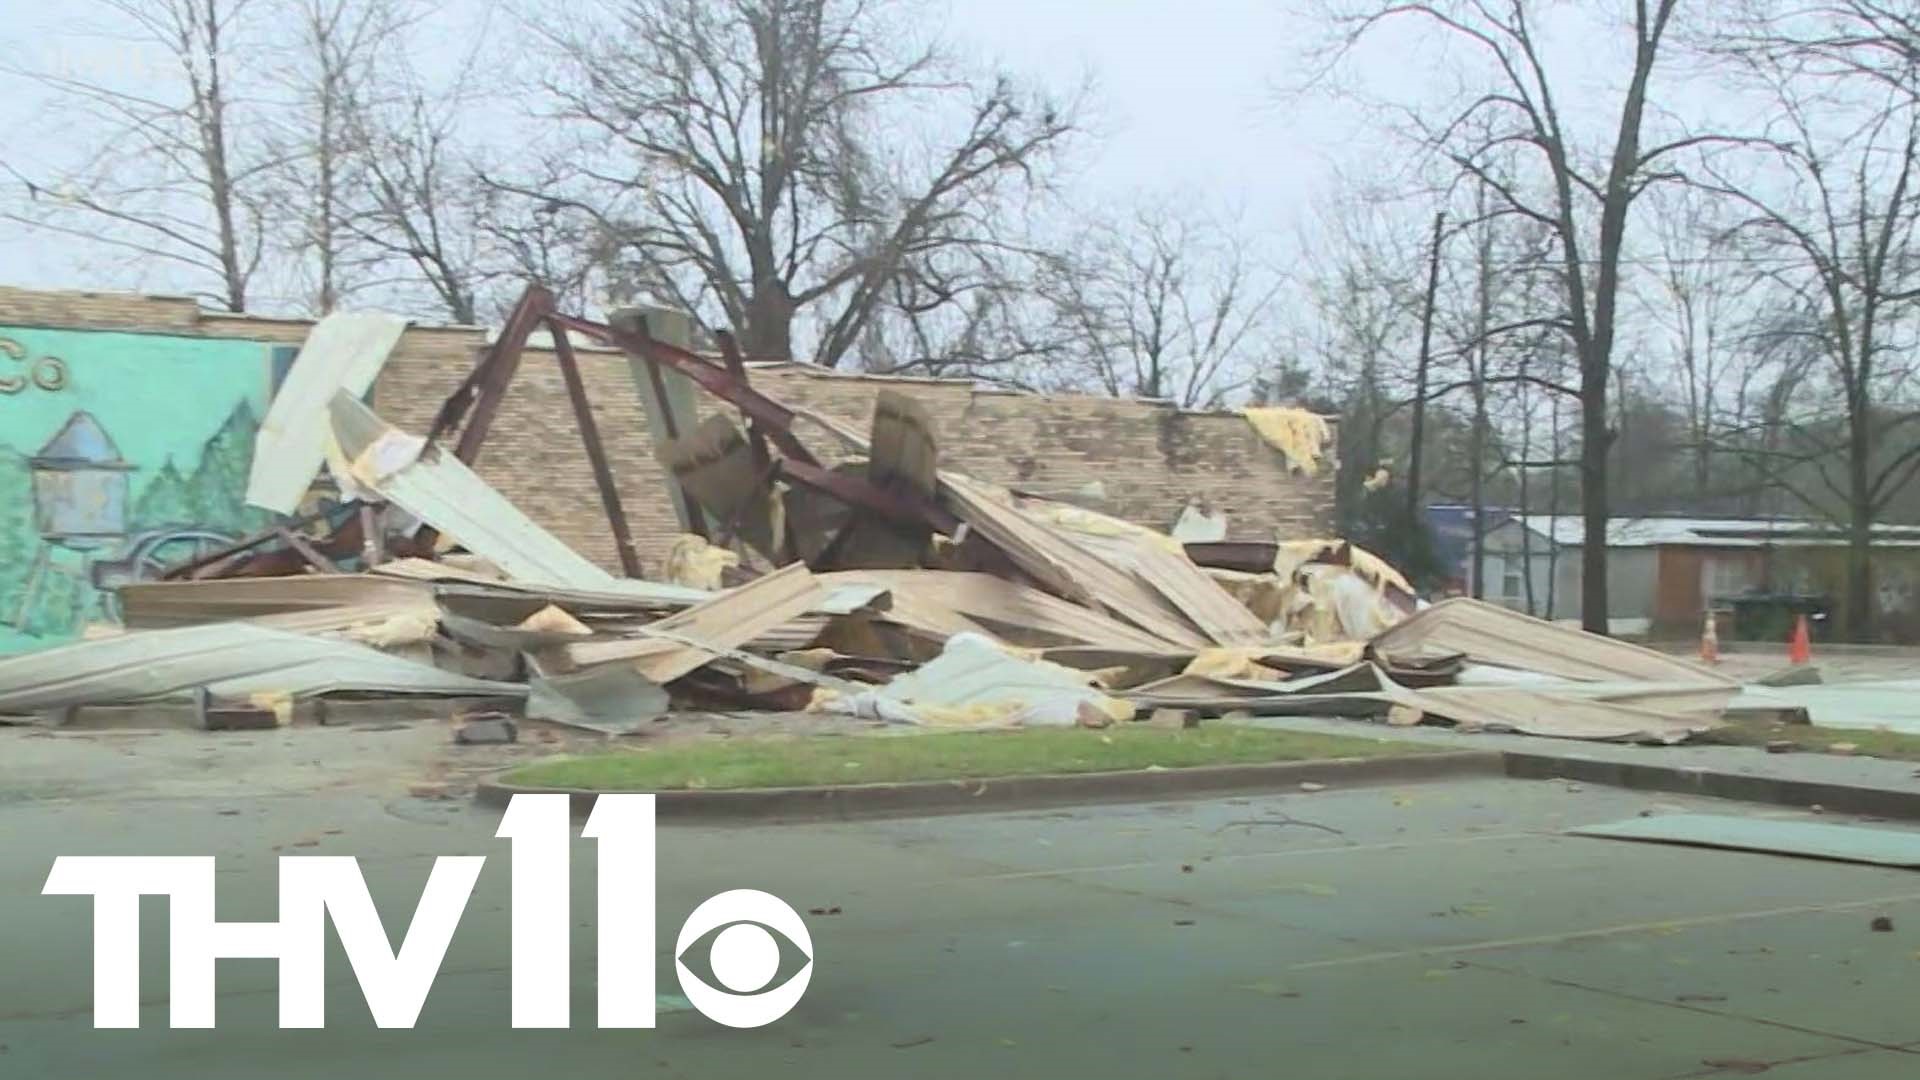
(166, 500)
(18, 538)
(172, 417)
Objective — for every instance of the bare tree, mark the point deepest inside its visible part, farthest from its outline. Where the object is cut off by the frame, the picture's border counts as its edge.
(1357, 327)
(973, 312)
(1166, 303)
(419, 200)
(173, 170)
(332, 60)
(1828, 40)
(1423, 371)
(1695, 293)
(1519, 105)
(755, 158)
(1833, 207)
(1497, 306)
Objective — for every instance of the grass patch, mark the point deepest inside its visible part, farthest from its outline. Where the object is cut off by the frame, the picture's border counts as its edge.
(1807, 738)
(815, 760)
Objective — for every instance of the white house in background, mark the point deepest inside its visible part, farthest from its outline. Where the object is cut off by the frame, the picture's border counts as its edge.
(1664, 574)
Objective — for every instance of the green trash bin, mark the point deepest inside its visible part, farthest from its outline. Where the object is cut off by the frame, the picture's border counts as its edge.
(1770, 616)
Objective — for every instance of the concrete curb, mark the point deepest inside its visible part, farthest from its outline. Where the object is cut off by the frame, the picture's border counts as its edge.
(1742, 787)
(926, 798)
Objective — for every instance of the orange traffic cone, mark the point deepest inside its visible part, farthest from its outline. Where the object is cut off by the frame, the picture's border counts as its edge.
(1799, 646)
(1709, 642)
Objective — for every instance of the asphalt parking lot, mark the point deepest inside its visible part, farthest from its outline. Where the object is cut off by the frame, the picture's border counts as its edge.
(1437, 930)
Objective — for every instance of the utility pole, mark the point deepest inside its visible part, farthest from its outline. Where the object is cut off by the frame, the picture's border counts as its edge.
(1420, 375)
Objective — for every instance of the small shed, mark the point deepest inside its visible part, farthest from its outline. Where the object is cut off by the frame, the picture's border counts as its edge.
(1665, 573)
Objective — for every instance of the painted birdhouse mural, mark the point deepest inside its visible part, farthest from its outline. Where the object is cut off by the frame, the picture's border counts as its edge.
(80, 486)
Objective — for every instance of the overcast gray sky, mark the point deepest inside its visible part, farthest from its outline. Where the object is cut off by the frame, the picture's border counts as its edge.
(1185, 105)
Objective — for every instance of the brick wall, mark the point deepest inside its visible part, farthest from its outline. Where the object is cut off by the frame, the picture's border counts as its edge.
(118, 311)
(1140, 460)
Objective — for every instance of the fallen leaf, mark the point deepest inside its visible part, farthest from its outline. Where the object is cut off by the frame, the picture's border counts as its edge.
(908, 1044)
(1881, 924)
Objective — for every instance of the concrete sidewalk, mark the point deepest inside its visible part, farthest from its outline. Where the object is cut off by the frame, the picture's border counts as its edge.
(1855, 785)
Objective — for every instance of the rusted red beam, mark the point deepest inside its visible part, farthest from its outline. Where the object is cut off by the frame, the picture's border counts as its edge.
(308, 552)
(737, 367)
(240, 546)
(596, 452)
(858, 491)
(776, 420)
(486, 387)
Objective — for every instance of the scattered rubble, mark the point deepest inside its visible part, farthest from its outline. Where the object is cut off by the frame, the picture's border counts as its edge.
(887, 587)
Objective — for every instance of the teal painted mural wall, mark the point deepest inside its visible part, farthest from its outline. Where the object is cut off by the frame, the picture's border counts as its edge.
(118, 453)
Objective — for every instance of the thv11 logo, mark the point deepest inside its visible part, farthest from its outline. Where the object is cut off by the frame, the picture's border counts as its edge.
(744, 955)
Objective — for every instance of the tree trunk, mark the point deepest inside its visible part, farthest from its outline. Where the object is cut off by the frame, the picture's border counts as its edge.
(1417, 438)
(210, 117)
(1859, 594)
(327, 213)
(1594, 504)
(1477, 440)
(1477, 496)
(1526, 454)
(768, 334)
(1553, 506)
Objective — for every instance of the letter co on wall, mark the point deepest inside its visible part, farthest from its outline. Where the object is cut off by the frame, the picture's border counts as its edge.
(743, 954)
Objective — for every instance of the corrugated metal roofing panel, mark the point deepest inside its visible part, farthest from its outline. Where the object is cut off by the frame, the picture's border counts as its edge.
(1841, 843)
(440, 490)
(1488, 634)
(344, 352)
(232, 660)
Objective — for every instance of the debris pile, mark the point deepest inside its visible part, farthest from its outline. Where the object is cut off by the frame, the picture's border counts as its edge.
(885, 587)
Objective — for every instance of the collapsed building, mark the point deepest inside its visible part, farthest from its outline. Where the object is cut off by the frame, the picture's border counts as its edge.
(713, 532)
(178, 394)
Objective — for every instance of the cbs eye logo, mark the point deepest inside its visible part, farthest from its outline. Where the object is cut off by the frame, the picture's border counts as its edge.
(742, 954)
